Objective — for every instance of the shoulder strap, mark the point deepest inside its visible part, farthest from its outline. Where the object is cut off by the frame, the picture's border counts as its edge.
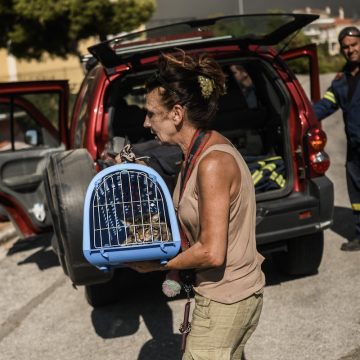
(197, 144)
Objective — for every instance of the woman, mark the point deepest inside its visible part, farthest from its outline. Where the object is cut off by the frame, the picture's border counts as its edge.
(215, 202)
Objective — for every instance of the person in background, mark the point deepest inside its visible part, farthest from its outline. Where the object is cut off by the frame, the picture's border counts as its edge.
(344, 93)
(245, 84)
(215, 202)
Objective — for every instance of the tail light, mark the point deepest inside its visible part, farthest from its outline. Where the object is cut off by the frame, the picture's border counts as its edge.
(319, 160)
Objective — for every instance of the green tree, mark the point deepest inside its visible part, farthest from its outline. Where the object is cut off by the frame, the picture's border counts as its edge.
(30, 28)
(327, 63)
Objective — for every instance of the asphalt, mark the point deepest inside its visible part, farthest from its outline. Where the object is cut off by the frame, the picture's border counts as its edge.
(7, 232)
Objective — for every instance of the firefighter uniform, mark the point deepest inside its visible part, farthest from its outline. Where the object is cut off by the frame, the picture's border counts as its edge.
(344, 93)
(267, 173)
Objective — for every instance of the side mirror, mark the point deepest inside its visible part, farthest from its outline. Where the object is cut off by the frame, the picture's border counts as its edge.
(31, 137)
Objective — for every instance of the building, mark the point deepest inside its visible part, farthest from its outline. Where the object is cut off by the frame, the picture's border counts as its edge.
(326, 29)
(13, 69)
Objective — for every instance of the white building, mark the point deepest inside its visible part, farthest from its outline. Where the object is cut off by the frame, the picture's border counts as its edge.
(326, 29)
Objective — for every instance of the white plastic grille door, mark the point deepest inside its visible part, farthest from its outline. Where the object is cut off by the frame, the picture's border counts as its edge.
(129, 216)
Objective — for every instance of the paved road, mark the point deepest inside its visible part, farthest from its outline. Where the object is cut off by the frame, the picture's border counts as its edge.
(315, 318)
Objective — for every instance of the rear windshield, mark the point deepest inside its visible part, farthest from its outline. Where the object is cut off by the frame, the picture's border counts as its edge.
(254, 27)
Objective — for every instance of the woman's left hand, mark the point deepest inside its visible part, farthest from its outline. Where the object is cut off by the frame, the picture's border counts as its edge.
(145, 266)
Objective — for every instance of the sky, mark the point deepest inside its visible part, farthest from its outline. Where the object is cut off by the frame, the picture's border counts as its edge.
(170, 9)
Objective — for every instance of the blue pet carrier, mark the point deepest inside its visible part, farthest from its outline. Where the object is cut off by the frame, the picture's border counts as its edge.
(129, 216)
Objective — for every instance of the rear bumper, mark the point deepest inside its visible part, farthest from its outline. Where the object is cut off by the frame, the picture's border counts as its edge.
(282, 219)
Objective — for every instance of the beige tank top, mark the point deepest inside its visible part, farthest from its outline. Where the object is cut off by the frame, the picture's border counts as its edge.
(241, 275)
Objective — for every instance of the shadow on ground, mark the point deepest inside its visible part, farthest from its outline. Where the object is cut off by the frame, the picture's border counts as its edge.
(142, 299)
(146, 302)
(343, 223)
(44, 257)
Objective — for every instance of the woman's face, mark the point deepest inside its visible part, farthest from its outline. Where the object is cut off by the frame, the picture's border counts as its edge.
(158, 118)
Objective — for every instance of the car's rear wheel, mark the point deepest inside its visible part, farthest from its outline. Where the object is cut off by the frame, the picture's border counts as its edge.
(66, 180)
(98, 295)
(303, 255)
(123, 283)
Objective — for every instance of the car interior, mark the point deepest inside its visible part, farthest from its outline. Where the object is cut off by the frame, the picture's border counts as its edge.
(252, 117)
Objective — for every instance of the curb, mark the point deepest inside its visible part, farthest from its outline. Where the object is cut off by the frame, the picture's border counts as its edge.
(7, 232)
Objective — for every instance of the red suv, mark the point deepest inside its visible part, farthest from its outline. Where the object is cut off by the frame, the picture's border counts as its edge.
(265, 113)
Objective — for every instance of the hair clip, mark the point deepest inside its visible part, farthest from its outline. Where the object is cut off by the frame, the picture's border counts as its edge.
(206, 85)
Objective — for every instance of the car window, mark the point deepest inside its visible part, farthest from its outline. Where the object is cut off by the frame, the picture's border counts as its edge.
(29, 120)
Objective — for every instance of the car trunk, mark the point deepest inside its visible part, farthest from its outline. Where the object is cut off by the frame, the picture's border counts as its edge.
(253, 115)
(255, 118)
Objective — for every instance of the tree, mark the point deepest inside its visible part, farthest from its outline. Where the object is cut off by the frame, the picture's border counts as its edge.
(30, 28)
(327, 63)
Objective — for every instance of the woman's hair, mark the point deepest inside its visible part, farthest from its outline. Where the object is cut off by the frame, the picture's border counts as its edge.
(194, 82)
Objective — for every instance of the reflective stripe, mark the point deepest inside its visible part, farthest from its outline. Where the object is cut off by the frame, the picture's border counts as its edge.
(278, 178)
(256, 176)
(280, 181)
(355, 207)
(330, 96)
(265, 175)
(270, 167)
(273, 158)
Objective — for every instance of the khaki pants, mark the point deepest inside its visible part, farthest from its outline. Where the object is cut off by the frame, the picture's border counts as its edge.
(220, 331)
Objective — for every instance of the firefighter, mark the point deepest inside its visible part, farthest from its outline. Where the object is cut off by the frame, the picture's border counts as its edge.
(344, 93)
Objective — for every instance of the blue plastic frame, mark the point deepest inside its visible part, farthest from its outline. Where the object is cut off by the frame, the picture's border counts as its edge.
(108, 257)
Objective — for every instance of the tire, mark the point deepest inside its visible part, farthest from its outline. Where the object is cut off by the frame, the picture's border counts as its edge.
(60, 253)
(303, 255)
(126, 284)
(66, 180)
(56, 246)
(103, 294)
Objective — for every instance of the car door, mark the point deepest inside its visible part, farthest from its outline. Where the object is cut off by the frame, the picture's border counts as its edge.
(33, 125)
(309, 53)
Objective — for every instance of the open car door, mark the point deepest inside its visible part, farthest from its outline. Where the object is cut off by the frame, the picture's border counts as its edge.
(33, 125)
(309, 53)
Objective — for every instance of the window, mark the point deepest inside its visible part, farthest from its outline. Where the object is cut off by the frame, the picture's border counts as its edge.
(29, 120)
